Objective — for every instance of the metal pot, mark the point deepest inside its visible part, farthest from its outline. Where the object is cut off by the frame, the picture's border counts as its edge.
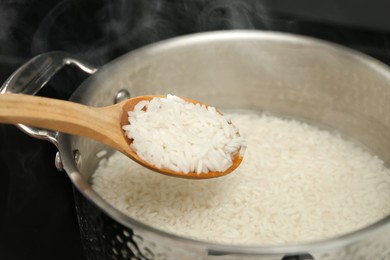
(280, 73)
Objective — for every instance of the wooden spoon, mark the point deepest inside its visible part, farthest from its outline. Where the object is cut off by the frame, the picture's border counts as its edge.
(103, 124)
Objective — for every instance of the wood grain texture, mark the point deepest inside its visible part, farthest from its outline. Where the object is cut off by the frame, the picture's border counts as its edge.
(103, 124)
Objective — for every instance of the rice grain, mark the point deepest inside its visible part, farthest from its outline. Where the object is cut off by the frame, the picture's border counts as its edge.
(296, 183)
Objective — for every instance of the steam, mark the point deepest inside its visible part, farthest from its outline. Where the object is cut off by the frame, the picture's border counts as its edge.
(222, 15)
(102, 30)
(99, 31)
(8, 18)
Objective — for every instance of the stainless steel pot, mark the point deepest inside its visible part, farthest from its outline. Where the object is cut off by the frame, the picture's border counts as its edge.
(264, 71)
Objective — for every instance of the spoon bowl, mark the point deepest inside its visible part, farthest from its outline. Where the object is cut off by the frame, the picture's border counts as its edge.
(103, 124)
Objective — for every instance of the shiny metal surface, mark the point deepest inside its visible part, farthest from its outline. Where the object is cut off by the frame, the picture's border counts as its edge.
(34, 75)
(288, 75)
(268, 72)
(58, 162)
(122, 95)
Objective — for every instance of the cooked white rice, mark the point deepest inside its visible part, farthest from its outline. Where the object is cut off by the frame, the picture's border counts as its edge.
(296, 183)
(174, 134)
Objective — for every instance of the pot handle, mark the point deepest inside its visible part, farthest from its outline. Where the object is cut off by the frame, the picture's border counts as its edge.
(33, 75)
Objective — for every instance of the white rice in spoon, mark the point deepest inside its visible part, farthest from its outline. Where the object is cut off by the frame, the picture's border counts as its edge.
(296, 183)
(174, 134)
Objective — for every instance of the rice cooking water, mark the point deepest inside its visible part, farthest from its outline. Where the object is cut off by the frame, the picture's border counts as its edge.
(296, 183)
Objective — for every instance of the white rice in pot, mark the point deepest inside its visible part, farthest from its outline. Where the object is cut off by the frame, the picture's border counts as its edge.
(296, 183)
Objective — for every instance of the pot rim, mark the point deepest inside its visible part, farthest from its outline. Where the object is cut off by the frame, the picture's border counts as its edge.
(84, 187)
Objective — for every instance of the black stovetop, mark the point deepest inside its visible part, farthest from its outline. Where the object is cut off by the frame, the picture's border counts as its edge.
(37, 217)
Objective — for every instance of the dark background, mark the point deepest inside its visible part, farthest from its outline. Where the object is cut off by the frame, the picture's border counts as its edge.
(37, 216)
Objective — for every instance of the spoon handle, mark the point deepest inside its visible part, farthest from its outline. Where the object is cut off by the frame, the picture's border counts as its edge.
(97, 123)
